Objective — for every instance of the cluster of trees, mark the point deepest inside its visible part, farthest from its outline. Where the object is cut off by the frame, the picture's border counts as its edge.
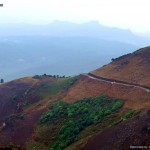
(119, 58)
(56, 112)
(78, 116)
(45, 75)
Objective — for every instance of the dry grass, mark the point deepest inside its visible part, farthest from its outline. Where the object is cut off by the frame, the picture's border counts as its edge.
(134, 98)
(133, 68)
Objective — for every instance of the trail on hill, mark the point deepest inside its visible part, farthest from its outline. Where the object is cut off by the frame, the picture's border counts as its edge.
(112, 81)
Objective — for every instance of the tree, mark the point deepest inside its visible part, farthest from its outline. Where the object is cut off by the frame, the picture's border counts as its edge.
(2, 81)
(44, 74)
(113, 59)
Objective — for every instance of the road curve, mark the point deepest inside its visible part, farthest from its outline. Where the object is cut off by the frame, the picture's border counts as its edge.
(113, 81)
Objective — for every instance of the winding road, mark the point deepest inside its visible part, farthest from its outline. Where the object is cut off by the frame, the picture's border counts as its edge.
(113, 81)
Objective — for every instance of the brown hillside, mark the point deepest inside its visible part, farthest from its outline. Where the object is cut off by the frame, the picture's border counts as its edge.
(31, 97)
(133, 68)
(15, 95)
(135, 98)
(27, 98)
(122, 136)
(130, 133)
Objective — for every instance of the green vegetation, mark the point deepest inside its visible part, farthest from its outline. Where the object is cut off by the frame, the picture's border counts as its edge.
(57, 111)
(15, 117)
(86, 134)
(77, 117)
(52, 88)
(45, 76)
(116, 122)
(127, 115)
(131, 113)
(45, 91)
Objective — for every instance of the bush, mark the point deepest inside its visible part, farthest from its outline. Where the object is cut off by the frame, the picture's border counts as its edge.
(57, 111)
(131, 114)
(78, 116)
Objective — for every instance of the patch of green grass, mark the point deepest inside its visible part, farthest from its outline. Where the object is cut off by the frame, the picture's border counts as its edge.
(56, 87)
(131, 113)
(127, 115)
(47, 91)
(46, 135)
(116, 122)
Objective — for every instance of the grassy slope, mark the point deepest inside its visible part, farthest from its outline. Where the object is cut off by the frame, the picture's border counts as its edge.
(67, 123)
(108, 123)
(17, 131)
(57, 130)
(134, 98)
(133, 68)
(131, 132)
(41, 93)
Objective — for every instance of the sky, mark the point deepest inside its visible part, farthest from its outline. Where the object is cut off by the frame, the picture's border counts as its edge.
(127, 14)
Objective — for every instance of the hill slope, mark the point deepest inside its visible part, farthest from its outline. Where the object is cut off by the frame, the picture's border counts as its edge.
(22, 103)
(132, 68)
(83, 112)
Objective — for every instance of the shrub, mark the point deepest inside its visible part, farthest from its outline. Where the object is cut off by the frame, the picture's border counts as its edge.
(131, 114)
(78, 116)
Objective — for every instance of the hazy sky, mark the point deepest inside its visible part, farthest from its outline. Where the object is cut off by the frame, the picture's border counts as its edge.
(133, 14)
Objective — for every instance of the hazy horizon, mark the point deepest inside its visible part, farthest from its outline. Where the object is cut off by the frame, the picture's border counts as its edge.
(68, 37)
(123, 14)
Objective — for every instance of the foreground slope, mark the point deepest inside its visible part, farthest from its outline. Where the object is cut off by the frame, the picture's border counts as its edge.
(132, 68)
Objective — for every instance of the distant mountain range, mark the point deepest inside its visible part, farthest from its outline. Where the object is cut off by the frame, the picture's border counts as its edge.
(68, 29)
(62, 48)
